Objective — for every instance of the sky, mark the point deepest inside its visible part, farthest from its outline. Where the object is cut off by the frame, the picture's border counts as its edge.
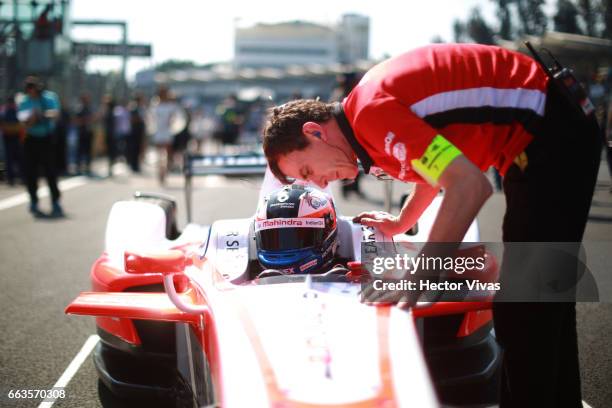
(202, 30)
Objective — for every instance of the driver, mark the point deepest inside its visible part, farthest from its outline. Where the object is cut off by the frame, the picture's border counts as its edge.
(296, 230)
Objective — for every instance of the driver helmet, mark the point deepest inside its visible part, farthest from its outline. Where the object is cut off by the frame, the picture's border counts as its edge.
(296, 230)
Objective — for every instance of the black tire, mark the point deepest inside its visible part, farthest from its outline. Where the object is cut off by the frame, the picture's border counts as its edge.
(167, 204)
(110, 400)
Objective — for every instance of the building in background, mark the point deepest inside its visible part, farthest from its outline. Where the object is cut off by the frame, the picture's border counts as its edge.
(283, 44)
(302, 43)
(209, 85)
(353, 38)
(274, 61)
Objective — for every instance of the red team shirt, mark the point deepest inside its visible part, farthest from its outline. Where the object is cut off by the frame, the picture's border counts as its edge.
(487, 101)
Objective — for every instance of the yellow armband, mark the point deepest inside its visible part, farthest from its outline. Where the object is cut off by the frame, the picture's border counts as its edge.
(438, 155)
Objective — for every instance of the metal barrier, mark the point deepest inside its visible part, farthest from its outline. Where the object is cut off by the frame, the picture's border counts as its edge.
(246, 164)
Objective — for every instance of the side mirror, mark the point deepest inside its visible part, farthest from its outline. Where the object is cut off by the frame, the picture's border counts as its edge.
(164, 262)
(169, 263)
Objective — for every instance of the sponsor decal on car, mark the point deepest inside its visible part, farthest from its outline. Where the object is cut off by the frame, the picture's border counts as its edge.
(289, 223)
(307, 265)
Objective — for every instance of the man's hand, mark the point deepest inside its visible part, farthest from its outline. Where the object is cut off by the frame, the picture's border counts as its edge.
(386, 223)
(420, 198)
(403, 299)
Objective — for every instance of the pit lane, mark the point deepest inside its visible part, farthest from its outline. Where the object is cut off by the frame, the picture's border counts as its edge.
(45, 264)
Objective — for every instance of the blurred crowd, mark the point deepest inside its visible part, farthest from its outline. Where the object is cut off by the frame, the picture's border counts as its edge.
(156, 130)
(125, 130)
(43, 135)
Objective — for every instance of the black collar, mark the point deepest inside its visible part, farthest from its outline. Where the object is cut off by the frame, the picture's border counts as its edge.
(347, 131)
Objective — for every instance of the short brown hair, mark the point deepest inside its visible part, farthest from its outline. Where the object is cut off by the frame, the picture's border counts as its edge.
(283, 129)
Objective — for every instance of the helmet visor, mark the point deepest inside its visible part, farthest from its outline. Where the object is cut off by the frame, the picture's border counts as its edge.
(290, 237)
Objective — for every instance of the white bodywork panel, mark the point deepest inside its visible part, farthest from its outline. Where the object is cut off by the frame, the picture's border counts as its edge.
(302, 337)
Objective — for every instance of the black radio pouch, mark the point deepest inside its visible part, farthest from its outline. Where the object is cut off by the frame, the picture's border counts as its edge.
(566, 83)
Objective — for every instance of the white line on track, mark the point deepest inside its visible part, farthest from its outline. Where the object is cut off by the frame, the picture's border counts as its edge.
(23, 198)
(72, 368)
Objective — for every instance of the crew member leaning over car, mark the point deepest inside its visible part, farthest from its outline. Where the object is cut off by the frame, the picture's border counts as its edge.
(439, 116)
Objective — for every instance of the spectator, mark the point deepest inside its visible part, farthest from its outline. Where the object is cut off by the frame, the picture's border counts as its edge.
(253, 123)
(122, 128)
(164, 113)
(135, 140)
(84, 120)
(182, 138)
(38, 111)
(197, 128)
(12, 135)
(108, 120)
(62, 128)
(230, 120)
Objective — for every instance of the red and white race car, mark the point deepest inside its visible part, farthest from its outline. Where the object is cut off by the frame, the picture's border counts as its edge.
(186, 318)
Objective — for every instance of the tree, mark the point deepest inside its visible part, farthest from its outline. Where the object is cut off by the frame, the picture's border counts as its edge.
(565, 18)
(478, 30)
(506, 30)
(459, 31)
(173, 64)
(532, 17)
(587, 12)
(606, 11)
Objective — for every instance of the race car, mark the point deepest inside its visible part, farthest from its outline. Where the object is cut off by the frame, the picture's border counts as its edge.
(214, 316)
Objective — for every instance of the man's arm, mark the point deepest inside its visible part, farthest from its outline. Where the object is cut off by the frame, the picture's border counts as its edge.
(52, 114)
(52, 105)
(466, 190)
(27, 115)
(420, 198)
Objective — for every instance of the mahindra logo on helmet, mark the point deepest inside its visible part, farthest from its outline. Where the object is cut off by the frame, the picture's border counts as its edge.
(290, 223)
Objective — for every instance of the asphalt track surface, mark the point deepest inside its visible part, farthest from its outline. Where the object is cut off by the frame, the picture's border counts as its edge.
(45, 264)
